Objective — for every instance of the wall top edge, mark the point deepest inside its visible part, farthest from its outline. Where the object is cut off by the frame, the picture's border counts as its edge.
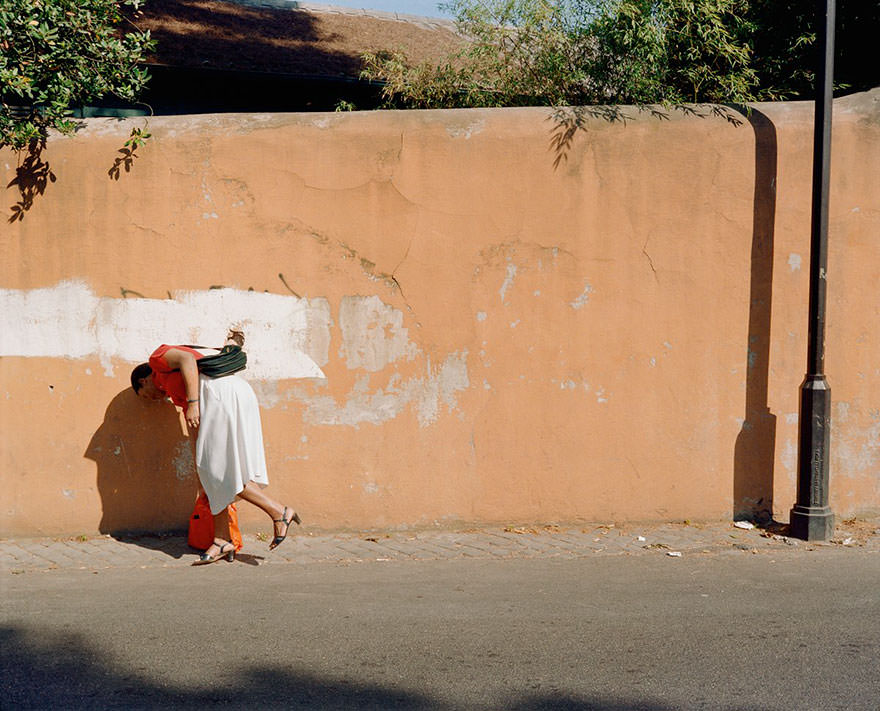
(864, 105)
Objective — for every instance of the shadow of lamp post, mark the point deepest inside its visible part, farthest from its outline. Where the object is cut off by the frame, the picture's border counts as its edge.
(811, 517)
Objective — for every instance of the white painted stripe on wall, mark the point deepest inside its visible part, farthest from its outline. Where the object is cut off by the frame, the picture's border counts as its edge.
(68, 321)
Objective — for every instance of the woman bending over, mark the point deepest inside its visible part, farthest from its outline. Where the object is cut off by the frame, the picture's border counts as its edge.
(229, 445)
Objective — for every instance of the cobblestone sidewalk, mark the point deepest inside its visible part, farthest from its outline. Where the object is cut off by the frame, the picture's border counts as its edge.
(673, 539)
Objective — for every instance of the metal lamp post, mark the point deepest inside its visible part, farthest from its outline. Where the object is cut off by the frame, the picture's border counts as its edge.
(811, 517)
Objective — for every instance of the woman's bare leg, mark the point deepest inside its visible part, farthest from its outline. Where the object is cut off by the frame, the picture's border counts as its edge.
(221, 525)
(253, 494)
(221, 532)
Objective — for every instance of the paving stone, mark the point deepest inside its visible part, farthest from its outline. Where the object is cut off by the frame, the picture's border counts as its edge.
(397, 547)
(41, 551)
(448, 543)
(17, 552)
(361, 550)
(439, 552)
(18, 556)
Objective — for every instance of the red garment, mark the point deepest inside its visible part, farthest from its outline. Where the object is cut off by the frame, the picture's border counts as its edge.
(167, 379)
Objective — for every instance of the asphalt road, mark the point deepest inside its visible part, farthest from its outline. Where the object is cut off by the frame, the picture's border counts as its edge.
(729, 630)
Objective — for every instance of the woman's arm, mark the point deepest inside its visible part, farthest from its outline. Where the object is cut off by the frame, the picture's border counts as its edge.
(186, 363)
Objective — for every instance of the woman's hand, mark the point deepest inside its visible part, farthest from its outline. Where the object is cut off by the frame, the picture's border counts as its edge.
(193, 414)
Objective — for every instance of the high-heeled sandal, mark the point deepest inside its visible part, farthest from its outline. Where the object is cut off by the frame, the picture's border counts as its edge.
(278, 540)
(205, 559)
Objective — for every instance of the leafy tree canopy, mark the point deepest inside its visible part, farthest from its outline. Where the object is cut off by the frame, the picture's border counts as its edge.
(782, 37)
(577, 52)
(588, 52)
(55, 54)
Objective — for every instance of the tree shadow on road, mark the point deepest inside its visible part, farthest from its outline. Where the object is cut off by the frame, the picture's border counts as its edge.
(562, 702)
(62, 670)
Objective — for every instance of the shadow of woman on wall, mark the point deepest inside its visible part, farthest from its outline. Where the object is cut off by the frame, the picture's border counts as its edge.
(146, 471)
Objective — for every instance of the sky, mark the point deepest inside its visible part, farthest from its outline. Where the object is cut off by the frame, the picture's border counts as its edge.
(426, 8)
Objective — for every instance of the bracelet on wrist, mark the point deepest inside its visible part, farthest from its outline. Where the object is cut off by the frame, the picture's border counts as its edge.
(196, 400)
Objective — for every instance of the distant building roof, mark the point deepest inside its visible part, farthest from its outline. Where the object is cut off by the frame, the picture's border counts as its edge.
(283, 37)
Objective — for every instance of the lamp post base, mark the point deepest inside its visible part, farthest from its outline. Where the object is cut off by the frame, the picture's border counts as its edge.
(812, 523)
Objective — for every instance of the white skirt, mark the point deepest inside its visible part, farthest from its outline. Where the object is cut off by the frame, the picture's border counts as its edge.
(229, 445)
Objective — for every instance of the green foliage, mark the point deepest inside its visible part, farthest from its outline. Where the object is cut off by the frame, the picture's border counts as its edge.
(671, 51)
(519, 52)
(137, 138)
(128, 153)
(784, 42)
(55, 54)
(576, 52)
(858, 27)
(708, 55)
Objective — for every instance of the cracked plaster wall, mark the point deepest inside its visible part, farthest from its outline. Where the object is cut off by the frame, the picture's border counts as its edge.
(452, 317)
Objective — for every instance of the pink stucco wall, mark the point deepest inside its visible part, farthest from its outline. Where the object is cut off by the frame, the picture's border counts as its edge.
(454, 317)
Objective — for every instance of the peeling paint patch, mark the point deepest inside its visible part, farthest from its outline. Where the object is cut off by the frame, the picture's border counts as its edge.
(481, 315)
(794, 261)
(508, 281)
(859, 450)
(183, 462)
(791, 418)
(425, 394)
(789, 459)
(69, 321)
(317, 332)
(267, 393)
(581, 300)
(373, 334)
(68, 494)
(468, 130)
(751, 355)
(441, 386)
(206, 191)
